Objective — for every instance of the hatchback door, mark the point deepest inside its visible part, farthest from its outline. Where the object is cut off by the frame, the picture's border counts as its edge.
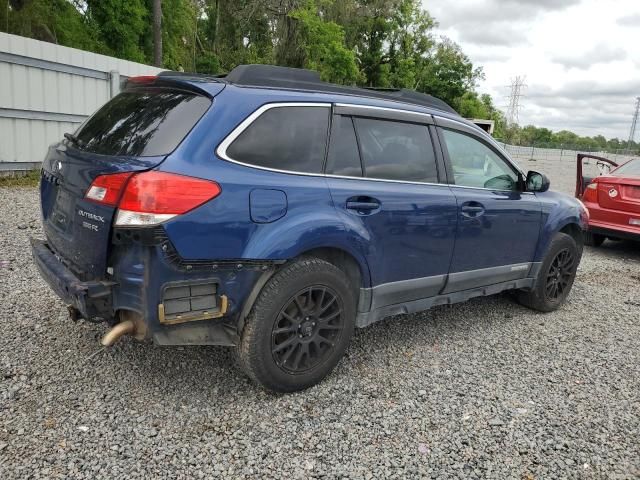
(498, 224)
(393, 200)
(134, 131)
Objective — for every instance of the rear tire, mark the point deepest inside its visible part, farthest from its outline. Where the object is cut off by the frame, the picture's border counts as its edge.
(593, 239)
(555, 277)
(299, 327)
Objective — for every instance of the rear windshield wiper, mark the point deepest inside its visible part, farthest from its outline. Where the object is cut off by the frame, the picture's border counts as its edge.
(72, 138)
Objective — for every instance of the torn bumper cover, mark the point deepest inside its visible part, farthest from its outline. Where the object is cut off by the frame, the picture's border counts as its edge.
(92, 299)
(170, 305)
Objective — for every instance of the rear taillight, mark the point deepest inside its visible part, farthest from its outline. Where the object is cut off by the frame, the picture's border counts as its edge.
(106, 189)
(591, 193)
(152, 197)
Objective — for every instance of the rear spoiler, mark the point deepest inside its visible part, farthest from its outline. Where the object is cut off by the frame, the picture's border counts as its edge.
(192, 82)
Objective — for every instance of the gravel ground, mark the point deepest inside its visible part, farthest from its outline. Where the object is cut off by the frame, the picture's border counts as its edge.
(486, 389)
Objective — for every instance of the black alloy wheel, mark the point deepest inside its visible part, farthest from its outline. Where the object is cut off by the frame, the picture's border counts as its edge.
(560, 275)
(307, 329)
(299, 326)
(555, 276)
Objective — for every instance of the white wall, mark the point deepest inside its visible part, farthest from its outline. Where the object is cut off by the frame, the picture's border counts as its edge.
(46, 90)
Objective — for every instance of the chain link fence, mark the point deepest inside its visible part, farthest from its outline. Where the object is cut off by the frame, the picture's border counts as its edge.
(532, 152)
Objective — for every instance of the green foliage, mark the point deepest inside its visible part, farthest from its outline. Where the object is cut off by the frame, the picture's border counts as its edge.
(410, 44)
(564, 139)
(179, 46)
(449, 74)
(376, 43)
(122, 26)
(29, 178)
(56, 21)
(324, 47)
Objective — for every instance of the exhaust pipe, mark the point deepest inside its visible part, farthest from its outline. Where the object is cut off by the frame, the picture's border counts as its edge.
(123, 328)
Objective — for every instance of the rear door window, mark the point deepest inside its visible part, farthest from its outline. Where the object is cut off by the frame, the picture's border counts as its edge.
(396, 150)
(285, 138)
(142, 123)
(343, 158)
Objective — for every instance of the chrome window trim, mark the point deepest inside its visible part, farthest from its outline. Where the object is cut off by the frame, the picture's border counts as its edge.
(406, 182)
(453, 185)
(427, 117)
(221, 151)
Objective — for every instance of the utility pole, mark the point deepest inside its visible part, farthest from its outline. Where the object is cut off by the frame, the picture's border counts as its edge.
(157, 33)
(634, 124)
(513, 109)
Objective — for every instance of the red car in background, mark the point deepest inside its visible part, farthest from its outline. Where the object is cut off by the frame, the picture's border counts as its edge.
(613, 199)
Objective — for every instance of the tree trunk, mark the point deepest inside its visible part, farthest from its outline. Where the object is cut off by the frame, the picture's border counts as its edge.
(216, 34)
(157, 33)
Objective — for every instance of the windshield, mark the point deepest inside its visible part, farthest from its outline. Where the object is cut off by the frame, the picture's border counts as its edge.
(143, 123)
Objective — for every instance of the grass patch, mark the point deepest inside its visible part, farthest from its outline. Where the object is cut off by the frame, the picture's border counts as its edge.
(20, 179)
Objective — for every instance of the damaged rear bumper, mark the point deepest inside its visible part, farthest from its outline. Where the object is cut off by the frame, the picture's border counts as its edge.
(92, 299)
(169, 302)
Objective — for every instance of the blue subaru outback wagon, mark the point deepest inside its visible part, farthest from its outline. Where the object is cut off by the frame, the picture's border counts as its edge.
(273, 212)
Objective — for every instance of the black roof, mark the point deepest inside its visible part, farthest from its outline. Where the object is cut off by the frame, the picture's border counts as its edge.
(301, 79)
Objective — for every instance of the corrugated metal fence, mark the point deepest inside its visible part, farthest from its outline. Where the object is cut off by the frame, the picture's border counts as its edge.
(47, 90)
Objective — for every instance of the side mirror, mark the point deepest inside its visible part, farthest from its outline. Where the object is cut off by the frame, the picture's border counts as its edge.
(537, 182)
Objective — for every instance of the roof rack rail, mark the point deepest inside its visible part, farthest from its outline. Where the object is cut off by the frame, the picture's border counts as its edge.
(301, 79)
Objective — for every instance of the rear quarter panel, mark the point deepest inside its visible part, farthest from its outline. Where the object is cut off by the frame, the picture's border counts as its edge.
(223, 229)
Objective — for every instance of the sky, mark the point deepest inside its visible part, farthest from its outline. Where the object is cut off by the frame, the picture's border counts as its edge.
(581, 58)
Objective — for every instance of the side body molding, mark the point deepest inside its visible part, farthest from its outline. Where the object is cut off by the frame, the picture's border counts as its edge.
(409, 296)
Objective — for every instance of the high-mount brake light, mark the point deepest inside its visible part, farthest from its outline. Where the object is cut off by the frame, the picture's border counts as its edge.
(154, 197)
(107, 189)
(143, 79)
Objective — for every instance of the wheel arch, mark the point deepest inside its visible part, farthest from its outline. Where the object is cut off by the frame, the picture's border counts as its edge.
(575, 232)
(355, 269)
(567, 225)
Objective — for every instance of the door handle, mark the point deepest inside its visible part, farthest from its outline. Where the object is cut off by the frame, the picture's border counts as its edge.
(472, 209)
(363, 206)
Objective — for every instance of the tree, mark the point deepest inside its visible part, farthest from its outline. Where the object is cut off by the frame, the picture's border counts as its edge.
(324, 47)
(122, 26)
(157, 33)
(410, 44)
(449, 74)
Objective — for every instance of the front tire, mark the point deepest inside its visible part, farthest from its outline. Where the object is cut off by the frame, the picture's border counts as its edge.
(299, 327)
(555, 277)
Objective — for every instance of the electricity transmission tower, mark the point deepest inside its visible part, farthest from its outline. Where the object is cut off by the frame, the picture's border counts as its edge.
(513, 109)
(634, 124)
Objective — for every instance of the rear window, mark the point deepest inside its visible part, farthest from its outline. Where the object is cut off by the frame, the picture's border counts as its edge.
(284, 138)
(630, 168)
(142, 123)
